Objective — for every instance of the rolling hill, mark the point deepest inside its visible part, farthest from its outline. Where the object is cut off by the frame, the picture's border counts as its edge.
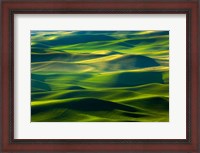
(99, 76)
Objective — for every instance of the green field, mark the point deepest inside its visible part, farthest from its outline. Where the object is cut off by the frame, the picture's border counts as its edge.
(99, 76)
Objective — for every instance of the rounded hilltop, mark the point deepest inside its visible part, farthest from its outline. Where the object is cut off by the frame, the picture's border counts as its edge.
(106, 52)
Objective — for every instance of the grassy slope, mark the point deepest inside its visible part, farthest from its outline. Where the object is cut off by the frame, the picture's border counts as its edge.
(118, 76)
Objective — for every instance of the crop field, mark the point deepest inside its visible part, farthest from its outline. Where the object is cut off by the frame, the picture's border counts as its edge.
(99, 76)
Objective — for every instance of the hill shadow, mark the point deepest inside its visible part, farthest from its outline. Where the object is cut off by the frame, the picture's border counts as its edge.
(83, 104)
(137, 78)
(131, 62)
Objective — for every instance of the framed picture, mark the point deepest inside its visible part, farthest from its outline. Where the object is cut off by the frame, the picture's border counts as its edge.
(93, 76)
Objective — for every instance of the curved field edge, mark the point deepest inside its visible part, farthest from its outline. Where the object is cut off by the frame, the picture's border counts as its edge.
(92, 109)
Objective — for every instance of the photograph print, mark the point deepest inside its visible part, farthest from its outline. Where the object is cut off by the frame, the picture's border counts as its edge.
(100, 76)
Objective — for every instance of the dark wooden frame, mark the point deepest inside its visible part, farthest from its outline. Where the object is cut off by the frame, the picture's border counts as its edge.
(10, 7)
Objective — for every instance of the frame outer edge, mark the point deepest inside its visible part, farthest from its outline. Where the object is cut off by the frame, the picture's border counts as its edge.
(198, 126)
(1, 100)
(1, 78)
